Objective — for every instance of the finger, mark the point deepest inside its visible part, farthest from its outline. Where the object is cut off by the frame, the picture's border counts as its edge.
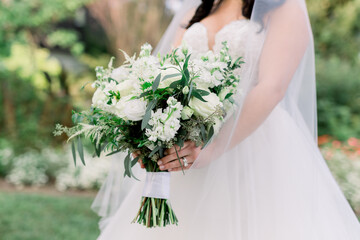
(141, 163)
(175, 164)
(172, 150)
(179, 168)
(172, 157)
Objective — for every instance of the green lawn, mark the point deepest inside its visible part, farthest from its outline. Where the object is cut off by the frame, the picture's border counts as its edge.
(37, 217)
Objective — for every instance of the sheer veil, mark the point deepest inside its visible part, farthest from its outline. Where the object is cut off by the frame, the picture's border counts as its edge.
(247, 175)
(274, 22)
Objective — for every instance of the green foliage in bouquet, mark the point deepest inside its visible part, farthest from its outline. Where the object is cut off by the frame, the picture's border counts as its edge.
(150, 104)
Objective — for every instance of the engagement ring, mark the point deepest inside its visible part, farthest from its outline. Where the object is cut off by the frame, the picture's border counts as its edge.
(185, 162)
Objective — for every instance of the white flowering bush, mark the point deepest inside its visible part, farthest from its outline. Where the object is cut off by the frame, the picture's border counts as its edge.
(35, 168)
(149, 104)
(29, 168)
(81, 177)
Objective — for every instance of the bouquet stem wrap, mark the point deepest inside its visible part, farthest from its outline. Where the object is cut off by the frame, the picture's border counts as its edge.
(157, 185)
(155, 209)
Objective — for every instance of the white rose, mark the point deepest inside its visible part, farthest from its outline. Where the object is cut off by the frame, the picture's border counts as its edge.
(125, 88)
(99, 99)
(130, 109)
(186, 113)
(170, 70)
(120, 74)
(205, 109)
(135, 109)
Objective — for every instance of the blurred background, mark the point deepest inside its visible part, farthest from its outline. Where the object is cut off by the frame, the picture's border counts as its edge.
(48, 51)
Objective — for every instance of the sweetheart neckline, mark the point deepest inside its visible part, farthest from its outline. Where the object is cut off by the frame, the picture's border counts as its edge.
(219, 31)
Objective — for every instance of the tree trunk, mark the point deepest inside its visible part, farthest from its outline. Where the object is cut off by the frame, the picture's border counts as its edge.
(9, 109)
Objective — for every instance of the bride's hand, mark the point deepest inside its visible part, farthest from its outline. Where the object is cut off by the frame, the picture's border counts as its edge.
(171, 163)
(135, 155)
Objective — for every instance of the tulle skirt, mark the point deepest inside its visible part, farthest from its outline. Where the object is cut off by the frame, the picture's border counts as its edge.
(274, 185)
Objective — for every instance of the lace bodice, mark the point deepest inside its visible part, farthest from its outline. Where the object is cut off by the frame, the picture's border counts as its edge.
(196, 37)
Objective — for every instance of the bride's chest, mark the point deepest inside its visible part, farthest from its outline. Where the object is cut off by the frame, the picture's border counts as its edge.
(234, 33)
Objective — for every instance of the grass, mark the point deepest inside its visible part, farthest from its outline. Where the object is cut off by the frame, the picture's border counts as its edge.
(37, 217)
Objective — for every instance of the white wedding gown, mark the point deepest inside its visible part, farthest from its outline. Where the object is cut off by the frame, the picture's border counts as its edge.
(277, 188)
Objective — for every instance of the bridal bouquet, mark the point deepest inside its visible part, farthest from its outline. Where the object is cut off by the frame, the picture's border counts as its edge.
(149, 104)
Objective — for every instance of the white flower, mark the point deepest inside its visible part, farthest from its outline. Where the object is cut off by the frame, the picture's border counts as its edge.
(185, 90)
(135, 109)
(99, 99)
(125, 88)
(186, 113)
(120, 74)
(145, 50)
(165, 124)
(146, 69)
(130, 109)
(109, 86)
(169, 70)
(171, 101)
(205, 109)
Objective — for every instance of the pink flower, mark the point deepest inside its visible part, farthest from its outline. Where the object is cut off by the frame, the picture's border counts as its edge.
(354, 142)
(323, 139)
(336, 144)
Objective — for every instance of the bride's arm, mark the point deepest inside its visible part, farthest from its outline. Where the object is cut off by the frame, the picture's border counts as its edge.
(286, 42)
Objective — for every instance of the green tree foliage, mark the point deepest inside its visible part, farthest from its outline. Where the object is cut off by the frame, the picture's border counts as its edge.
(30, 22)
(34, 91)
(336, 28)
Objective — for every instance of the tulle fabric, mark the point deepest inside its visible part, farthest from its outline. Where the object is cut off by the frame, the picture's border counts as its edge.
(267, 192)
(265, 181)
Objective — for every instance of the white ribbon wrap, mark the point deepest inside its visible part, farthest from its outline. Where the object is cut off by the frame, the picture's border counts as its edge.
(157, 185)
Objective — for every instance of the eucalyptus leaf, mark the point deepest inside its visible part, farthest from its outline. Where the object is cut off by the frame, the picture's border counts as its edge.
(127, 164)
(197, 95)
(187, 76)
(113, 152)
(73, 150)
(134, 161)
(145, 120)
(186, 62)
(210, 135)
(190, 91)
(145, 94)
(156, 83)
(171, 76)
(202, 92)
(161, 151)
(175, 84)
(180, 142)
(154, 151)
(228, 95)
(202, 131)
(81, 150)
(97, 149)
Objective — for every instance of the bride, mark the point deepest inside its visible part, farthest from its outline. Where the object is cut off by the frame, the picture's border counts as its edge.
(262, 177)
